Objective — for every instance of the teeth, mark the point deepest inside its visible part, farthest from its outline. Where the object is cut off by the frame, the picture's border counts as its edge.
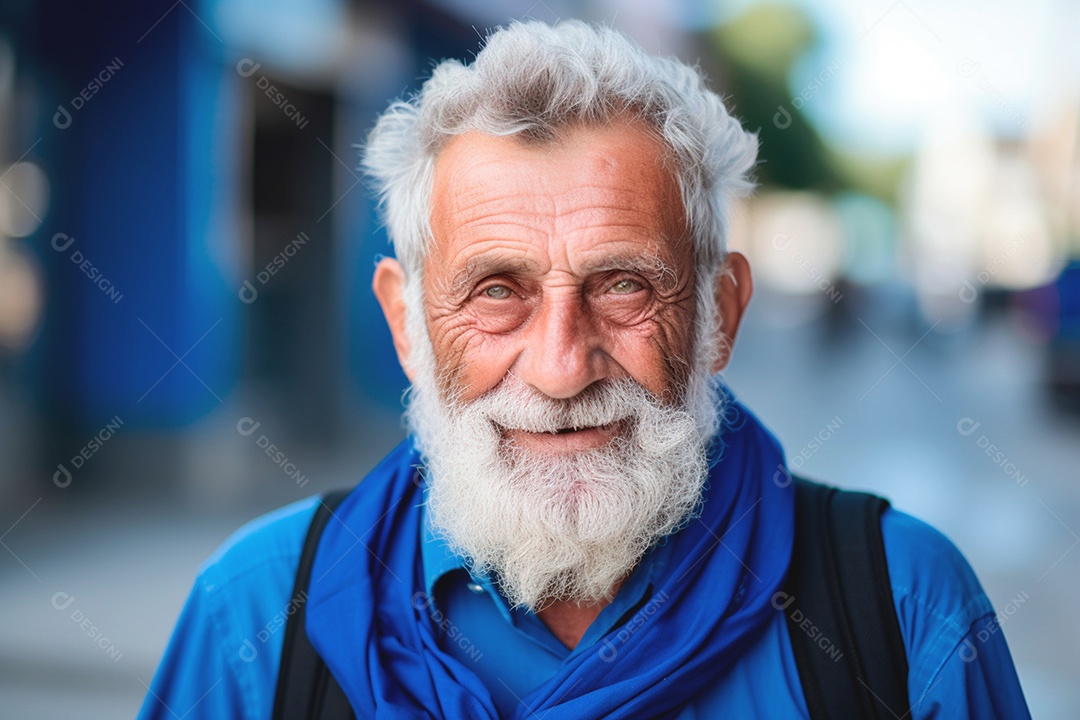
(559, 431)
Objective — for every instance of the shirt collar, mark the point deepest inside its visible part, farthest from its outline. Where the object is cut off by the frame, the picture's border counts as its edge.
(437, 557)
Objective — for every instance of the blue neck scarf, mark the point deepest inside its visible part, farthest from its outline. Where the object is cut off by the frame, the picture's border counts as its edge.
(710, 603)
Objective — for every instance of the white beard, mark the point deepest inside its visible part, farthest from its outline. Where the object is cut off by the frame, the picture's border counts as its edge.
(569, 526)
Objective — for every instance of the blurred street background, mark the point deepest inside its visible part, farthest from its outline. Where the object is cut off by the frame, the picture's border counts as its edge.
(188, 338)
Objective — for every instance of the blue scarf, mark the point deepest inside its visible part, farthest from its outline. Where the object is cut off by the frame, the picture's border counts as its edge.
(724, 567)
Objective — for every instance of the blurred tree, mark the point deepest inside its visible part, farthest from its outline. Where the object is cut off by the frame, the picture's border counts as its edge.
(760, 47)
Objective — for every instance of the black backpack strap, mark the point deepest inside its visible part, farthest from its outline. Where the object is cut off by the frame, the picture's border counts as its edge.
(306, 690)
(839, 607)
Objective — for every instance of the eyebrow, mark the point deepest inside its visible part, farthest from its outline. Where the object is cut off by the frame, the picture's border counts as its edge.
(485, 266)
(650, 265)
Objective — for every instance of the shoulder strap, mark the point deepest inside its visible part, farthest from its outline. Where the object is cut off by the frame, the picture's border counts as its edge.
(305, 689)
(839, 607)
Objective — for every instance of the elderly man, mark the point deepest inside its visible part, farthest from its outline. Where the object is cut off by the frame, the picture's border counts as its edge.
(583, 522)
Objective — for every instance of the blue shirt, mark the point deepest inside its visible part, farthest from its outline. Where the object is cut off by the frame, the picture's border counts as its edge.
(223, 658)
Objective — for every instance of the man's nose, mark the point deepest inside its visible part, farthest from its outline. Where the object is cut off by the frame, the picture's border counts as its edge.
(564, 351)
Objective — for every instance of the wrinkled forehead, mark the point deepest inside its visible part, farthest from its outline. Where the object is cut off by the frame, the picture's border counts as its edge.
(597, 189)
(644, 149)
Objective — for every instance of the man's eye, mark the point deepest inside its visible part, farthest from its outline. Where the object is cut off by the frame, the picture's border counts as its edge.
(498, 292)
(625, 287)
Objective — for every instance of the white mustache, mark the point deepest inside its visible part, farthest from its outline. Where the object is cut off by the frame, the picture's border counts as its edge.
(513, 405)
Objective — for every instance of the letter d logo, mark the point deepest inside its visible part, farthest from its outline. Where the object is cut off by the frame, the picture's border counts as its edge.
(782, 241)
(781, 600)
(245, 426)
(968, 293)
(248, 294)
(61, 118)
(966, 426)
(967, 67)
(782, 118)
(247, 67)
(64, 243)
(62, 477)
(782, 477)
(248, 652)
(62, 600)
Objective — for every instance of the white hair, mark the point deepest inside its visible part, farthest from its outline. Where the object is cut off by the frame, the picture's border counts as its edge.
(532, 80)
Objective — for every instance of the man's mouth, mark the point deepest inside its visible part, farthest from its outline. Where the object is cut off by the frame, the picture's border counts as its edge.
(566, 439)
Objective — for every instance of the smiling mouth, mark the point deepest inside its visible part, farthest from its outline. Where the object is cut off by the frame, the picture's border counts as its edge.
(565, 430)
(568, 439)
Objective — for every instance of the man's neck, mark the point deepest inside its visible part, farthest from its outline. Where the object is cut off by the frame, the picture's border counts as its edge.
(568, 620)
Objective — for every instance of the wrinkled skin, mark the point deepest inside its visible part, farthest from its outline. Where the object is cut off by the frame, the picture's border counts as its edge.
(563, 264)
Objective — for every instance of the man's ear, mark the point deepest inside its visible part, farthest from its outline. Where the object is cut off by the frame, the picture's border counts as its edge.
(733, 288)
(389, 287)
